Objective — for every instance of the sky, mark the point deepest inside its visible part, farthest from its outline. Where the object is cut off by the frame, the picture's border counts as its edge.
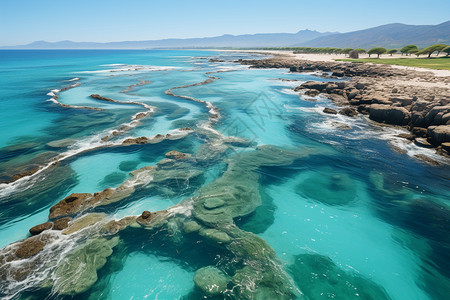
(25, 21)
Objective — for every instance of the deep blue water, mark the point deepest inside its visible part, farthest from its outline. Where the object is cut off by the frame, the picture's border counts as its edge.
(372, 216)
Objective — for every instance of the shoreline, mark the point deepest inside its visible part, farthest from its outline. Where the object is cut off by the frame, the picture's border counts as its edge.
(332, 58)
(418, 101)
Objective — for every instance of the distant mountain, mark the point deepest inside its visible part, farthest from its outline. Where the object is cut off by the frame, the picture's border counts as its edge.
(390, 36)
(227, 40)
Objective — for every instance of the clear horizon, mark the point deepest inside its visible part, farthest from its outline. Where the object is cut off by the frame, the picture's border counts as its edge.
(26, 21)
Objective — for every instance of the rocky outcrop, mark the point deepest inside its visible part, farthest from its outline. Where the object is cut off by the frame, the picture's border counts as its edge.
(439, 134)
(330, 111)
(389, 114)
(416, 100)
(41, 227)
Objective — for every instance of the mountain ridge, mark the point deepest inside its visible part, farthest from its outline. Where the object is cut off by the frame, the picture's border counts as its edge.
(393, 35)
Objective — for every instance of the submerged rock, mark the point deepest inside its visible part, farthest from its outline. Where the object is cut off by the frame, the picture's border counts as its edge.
(211, 281)
(128, 165)
(319, 278)
(177, 155)
(78, 271)
(327, 187)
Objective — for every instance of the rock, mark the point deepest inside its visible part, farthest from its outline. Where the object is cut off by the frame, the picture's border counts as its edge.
(83, 222)
(318, 277)
(446, 147)
(328, 110)
(128, 165)
(140, 115)
(78, 271)
(389, 114)
(407, 136)
(348, 111)
(136, 141)
(215, 236)
(61, 224)
(30, 247)
(60, 143)
(41, 227)
(353, 54)
(211, 281)
(312, 93)
(427, 159)
(177, 155)
(191, 226)
(212, 203)
(146, 214)
(420, 132)
(421, 142)
(316, 85)
(404, 101)
(337, 74)
(69, 205)
(439, 134)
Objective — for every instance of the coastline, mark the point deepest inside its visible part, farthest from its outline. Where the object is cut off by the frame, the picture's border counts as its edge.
(417, 100)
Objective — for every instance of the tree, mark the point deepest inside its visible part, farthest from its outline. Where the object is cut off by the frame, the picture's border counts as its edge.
(414, 51)
(439, 48)
(377, 50)
(431, 49)
(446, 50)
(392, 51)
(338, 50)
(361, 50)
(405, 50)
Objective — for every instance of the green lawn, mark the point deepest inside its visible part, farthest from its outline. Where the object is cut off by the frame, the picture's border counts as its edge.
(438, 63)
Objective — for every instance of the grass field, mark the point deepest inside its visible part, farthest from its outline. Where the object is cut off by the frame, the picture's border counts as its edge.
(438, 63)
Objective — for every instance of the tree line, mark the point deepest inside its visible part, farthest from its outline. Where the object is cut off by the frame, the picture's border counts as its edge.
(407, 50)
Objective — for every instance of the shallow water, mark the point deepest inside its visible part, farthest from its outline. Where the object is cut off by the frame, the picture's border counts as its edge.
(347, 206)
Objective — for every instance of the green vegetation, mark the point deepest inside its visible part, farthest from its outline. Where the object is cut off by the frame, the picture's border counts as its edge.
(377, 50)
(446, 50)
(431, 49)
(437, 63)
(392, 51)
(407, 49)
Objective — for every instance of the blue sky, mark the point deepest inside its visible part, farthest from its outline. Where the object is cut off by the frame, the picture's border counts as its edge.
(25, 21)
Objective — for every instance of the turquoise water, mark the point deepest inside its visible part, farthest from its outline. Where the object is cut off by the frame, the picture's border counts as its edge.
(347, 207)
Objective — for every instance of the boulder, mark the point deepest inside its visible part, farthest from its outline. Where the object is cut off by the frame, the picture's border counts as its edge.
(353, 54)
(421, 142)
(348, 111)
(439, 134)
(316, 85)
(69, 205)
(328, 110)
(41, 227)
(420, 132)
(211, 281)
(389, 114)
(312, 93)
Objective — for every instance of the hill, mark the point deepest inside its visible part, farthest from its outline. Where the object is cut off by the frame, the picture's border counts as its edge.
(390, 36)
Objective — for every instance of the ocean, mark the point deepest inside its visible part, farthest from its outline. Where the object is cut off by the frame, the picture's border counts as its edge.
(274, 199)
